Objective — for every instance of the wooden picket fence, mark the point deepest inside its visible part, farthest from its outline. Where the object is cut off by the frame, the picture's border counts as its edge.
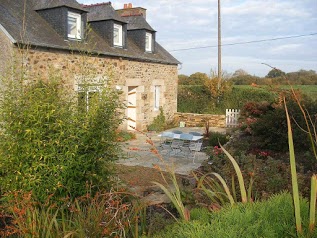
(232, 116)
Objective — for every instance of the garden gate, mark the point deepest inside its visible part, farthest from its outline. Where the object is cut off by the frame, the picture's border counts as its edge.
(232, 116)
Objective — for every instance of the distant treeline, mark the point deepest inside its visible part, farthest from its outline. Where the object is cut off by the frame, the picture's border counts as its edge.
(241, 77)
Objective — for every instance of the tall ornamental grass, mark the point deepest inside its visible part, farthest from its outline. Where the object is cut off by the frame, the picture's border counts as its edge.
(48, 145)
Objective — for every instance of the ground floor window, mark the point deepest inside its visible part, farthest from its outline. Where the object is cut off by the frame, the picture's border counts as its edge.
(88, 96)
(157, 90)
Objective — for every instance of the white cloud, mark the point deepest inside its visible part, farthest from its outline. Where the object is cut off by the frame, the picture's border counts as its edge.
(285, 48)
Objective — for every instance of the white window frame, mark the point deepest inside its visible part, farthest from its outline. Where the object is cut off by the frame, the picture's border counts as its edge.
(87, 90)
(148, 41)
(77, 17)
(157, 96)
(120, 36)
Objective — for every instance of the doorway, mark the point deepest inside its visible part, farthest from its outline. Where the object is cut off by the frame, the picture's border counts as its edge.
(131, 110)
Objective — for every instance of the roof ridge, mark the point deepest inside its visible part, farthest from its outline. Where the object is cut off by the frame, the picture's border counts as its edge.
(132, 14)
(96, 4)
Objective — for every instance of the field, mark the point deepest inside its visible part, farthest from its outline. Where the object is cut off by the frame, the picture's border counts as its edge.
(309, 90)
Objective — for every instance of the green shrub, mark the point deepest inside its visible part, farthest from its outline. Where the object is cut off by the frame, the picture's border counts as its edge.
(268, 123)
(125, 136)
(271, 218)
(197, 99)
(49, 147)
(275, 172)
(159, 122)
(215, 138)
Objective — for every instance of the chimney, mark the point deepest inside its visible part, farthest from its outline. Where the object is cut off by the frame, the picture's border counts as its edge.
(129, 10)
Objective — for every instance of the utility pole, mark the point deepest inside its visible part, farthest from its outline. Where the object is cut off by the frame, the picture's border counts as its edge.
(219, 46)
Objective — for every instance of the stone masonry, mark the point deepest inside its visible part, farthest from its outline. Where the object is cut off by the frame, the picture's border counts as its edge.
(193, 119)
(122, 73)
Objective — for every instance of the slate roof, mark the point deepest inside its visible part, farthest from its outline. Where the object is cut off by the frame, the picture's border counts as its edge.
(39, 33)
(137, 22)
(45, 4)
(101, 12)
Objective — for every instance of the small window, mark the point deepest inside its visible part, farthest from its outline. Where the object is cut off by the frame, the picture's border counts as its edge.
(74, 25)
(117, 35)
(148, 42)
(157, 97)
(87, 97)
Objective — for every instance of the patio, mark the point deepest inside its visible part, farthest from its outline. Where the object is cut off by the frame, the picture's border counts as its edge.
(138, 152)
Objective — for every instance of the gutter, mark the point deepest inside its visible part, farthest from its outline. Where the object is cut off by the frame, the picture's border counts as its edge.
(109, 54)
(13, 41)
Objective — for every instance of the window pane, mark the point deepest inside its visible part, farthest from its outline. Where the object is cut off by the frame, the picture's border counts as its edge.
(116, 36)
(148, 42)
(156, 97)
(72, 26)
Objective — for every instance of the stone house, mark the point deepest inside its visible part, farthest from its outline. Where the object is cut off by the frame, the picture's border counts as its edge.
(108, 44)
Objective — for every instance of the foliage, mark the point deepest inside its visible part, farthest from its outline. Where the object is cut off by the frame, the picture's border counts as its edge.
(194, 79)
(49, 147)
(125, 136)
(159, 122)
(268, 123)
(256, 167)
(277, 77)
(218, 88)
(174, 194)
(197, 99)
(102, 215)
(216, 137)
(311, 131)
(274, 73)
(271, 218)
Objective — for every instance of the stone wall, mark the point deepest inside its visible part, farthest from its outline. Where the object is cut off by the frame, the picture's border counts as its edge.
(6, 52)
(122, 73)
(193, 119)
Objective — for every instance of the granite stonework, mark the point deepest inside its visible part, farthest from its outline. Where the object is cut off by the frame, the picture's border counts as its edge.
(6, 52)
(199, 120)
(122, 73)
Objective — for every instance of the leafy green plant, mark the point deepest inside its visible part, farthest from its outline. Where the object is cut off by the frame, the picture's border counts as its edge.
(48, 146)
(312, 137)
(270, 219)
(222, 195)
(125, 136)
(159, 122)
(174, 194)
(215, 138)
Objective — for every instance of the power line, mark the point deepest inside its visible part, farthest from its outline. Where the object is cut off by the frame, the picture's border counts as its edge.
(246, 42)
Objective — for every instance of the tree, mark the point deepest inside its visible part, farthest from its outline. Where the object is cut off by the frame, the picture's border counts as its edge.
(240, 72)
(183, 79)
(198, 78)
(275, 73)
(218, 88)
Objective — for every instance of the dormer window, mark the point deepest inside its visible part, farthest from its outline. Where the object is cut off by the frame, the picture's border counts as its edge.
(117, 35)
(74, 25)
(148, 42)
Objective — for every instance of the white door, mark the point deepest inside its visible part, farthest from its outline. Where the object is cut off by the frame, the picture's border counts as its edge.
(131, 114)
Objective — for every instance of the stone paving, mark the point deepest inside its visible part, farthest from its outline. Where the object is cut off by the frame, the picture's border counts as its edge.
(138, 152)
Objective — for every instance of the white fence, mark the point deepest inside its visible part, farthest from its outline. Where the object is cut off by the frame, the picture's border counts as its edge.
(232, 116)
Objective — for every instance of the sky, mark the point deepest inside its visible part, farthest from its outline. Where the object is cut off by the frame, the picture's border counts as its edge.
(185, 24)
